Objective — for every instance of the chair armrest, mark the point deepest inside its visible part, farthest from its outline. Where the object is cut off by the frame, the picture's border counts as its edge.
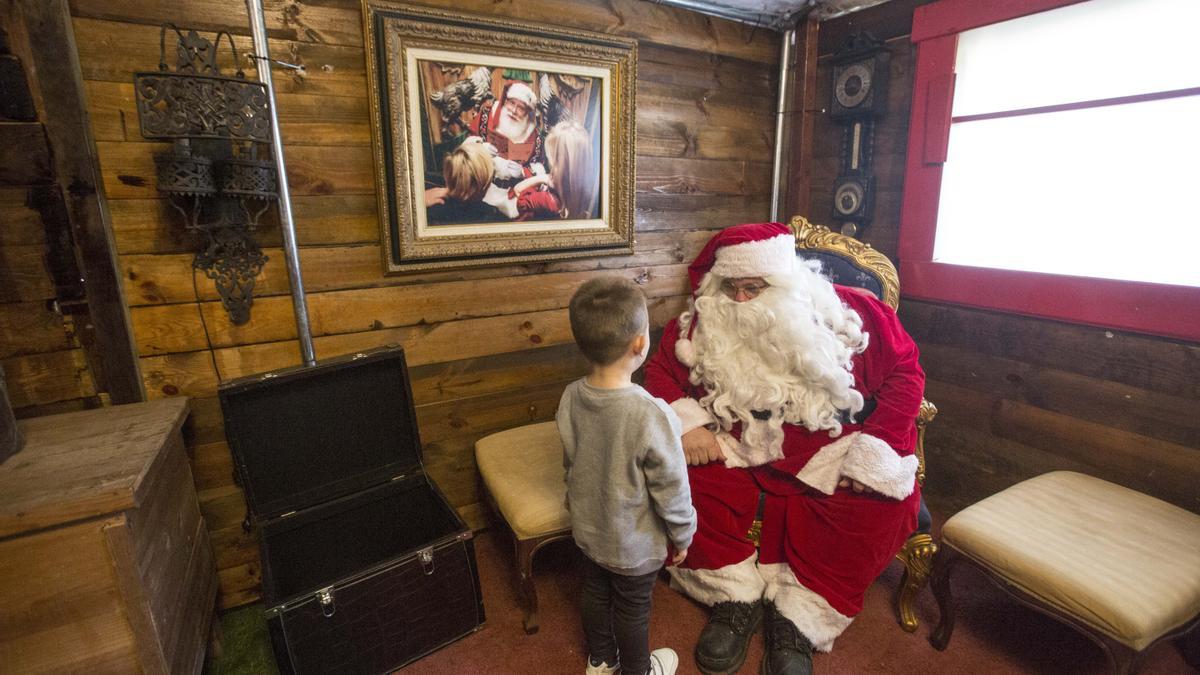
(924, 417)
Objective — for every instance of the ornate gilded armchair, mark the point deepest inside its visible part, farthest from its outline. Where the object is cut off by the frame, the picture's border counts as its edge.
(849, 262)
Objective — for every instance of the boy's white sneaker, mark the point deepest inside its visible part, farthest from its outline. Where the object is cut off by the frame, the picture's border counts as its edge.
(663, 661)
(601, 668)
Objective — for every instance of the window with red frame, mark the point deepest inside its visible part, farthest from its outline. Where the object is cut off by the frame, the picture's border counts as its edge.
(1054, 161)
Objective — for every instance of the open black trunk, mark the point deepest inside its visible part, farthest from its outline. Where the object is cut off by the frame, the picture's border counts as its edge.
(365, 565)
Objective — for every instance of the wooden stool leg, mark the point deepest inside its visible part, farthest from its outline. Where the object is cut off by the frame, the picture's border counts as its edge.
(917, 556)
(943, 565)
(524, 554)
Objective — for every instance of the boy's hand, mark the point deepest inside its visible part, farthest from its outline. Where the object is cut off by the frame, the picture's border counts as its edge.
(679, 556)
(434, 196)
(700, 447)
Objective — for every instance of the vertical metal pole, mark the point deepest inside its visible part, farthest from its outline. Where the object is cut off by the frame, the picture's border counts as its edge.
(785, 75)
(258, 29)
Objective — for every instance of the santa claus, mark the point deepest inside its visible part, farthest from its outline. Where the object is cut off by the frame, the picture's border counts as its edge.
(510, 124)
(798, 400)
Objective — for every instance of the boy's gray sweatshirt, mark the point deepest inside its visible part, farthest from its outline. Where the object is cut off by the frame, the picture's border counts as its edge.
(627, 484)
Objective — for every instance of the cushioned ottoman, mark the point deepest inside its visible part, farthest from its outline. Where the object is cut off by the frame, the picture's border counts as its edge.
(1118, 565)
(522, 470)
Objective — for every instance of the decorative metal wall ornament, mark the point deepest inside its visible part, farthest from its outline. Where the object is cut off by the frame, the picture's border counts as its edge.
(212, 175)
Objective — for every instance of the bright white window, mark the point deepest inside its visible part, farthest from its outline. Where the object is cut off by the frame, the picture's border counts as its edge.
(1090, 187)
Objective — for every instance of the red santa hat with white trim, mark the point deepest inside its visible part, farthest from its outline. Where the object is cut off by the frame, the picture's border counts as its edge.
(746, 250)
(519, 91)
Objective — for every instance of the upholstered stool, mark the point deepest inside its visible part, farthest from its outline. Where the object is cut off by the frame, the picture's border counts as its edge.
(1117, 565)
(522, 470)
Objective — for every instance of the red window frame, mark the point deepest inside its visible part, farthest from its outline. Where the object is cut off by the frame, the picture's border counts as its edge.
(1158, 309)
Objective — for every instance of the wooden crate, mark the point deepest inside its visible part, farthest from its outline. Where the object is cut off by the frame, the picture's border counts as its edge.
(105, 562)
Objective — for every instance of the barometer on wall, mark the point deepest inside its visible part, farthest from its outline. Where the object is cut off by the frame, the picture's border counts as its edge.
(852, 203)
(860, 78)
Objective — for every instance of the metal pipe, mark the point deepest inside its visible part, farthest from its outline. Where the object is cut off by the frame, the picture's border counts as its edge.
(761, 19)
(785, 75)
(291, 254)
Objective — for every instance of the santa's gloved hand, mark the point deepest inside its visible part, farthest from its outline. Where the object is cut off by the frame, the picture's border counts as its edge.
(507, 169)
(486, 146)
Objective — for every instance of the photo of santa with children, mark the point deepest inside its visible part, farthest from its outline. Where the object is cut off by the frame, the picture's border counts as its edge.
(504, 144)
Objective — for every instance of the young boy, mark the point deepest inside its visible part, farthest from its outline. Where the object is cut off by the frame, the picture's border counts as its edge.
(627, 485)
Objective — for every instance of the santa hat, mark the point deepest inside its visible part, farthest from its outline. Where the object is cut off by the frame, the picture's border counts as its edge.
(747, 250)
(519, 91)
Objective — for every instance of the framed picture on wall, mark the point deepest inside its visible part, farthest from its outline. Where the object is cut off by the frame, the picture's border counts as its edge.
(498, 141)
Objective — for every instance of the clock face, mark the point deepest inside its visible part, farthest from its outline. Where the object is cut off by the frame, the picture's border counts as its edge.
(848, 198)
(852, 85)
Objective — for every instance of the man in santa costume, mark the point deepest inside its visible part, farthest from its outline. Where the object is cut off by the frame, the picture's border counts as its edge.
(798, 400)
(511, 124)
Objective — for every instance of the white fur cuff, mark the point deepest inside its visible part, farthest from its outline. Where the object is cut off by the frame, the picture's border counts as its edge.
(685, 352)
(764, 258)
(864, 458)
(873, 462)
(824, 470)
(691, 414)
(812, 614)
(739, 582)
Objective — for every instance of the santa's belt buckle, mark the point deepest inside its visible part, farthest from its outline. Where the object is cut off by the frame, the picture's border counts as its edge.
(754, 534)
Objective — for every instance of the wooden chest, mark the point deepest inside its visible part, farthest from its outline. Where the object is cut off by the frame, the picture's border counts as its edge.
(105, 563)
(365, 565)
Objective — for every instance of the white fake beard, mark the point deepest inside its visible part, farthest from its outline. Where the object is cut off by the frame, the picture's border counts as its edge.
(513, 129)
(788, 351)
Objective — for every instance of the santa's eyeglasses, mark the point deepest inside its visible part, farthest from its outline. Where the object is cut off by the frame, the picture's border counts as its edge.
(751, 289)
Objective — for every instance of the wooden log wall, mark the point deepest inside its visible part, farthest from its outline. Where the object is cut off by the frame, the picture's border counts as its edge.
(489, 348)
(1017, 396)
(45, 363)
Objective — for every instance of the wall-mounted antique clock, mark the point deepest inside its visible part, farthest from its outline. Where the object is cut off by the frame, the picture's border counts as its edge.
(860, 79)
(860, 84)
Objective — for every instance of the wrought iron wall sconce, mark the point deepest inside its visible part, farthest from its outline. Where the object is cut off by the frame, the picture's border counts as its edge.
(212, 175)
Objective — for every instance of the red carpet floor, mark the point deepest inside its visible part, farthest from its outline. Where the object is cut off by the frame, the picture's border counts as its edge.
(993, 634)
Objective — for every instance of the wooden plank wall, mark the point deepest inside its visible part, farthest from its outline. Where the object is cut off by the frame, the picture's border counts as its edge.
(1019, 396)
(45, 364)
(489, 348)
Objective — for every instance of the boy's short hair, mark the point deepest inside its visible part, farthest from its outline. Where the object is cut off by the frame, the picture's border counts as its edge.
(468, 172)
(606, 315)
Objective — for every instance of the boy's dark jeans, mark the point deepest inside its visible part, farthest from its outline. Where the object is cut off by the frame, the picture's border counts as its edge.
(616, 617)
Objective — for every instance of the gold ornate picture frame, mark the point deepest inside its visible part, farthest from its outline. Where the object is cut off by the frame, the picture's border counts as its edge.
(498, 142)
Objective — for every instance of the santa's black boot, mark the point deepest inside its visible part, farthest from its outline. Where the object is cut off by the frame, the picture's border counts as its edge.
(788, 652)
(723, 642)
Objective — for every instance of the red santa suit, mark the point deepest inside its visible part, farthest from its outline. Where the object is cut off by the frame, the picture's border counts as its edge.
(820, 546)
(537, 203)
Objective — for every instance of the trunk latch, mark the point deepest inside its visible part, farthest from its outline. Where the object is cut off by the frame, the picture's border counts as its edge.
(325, 597)
(426, 558)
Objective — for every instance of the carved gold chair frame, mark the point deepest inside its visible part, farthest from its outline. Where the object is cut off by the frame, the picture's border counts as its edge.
(917, 552)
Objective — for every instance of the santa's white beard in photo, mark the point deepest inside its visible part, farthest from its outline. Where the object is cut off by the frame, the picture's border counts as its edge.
(787, 351)
(513, 129)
